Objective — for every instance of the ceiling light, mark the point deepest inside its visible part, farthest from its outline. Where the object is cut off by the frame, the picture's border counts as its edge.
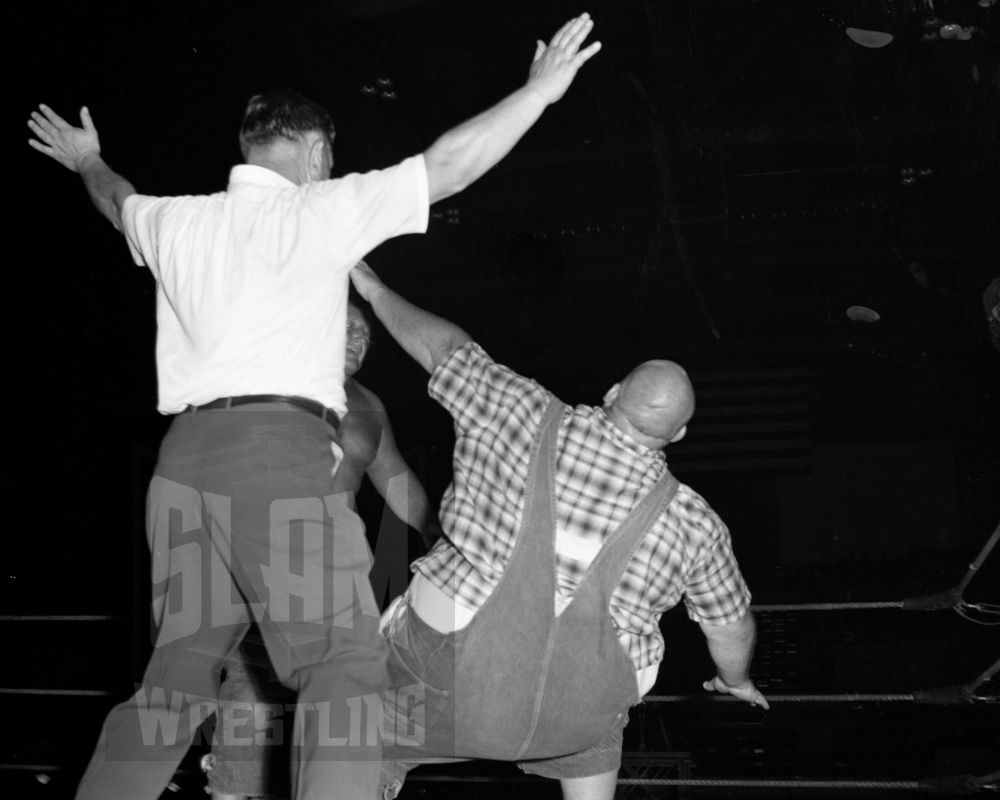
(873, 39)
(862, 314)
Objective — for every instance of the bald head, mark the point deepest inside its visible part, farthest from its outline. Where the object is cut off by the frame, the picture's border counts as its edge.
(653, 403)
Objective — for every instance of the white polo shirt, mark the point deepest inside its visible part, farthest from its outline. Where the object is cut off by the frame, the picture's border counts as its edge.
(252, 282)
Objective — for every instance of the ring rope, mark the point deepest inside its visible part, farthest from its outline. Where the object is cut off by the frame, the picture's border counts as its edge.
(949, 599)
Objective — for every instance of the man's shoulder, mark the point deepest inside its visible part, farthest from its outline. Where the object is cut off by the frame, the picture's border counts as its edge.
(471, 358)
(693, 510)
(504, 379)
(406, 171)
(470, 383)
(366, 419)
(360, 398)
(170, 203)
(147, 217)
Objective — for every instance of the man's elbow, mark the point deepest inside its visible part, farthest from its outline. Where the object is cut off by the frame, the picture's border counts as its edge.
(447, 174)
(443, 349)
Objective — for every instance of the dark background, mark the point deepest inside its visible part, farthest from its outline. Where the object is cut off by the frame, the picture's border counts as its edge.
(722, 182)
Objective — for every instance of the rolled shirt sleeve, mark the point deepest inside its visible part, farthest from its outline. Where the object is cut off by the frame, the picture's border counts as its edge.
(479, 393)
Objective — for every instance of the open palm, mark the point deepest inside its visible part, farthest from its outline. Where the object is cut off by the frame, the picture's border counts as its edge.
(59, 140)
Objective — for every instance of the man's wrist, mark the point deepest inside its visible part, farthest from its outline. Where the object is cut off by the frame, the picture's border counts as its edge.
(536, 94)
(89, 160)
(375, 290)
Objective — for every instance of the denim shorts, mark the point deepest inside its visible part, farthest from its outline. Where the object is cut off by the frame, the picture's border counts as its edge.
(601, 757)
(604, 756)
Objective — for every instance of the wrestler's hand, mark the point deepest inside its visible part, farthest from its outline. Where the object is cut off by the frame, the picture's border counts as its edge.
(57, 139)
(554, 66)
(365, 280)
(746, 691)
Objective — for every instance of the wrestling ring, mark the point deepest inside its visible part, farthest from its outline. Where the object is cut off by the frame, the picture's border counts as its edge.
(642, 772)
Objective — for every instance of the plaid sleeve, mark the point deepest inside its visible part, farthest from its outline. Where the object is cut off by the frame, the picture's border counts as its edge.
(479, 393)
(715, 592)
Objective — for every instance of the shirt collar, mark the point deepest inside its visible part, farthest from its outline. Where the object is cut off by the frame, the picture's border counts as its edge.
(258, 176)
(622, 439)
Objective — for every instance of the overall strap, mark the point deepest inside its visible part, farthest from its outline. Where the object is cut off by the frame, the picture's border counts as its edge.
(610, 563)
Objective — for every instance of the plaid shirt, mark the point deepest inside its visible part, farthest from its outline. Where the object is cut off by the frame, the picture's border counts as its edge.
(601, 474)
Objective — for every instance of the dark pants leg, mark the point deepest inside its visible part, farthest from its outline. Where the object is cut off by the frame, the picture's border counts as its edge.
(249, 750)
(239, 526)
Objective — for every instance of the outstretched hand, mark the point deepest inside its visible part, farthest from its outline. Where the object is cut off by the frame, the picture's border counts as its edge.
(555, 65)
(365, 280)
(746, 691)
(61, 141)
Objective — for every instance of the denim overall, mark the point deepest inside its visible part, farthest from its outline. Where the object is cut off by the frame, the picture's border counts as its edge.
(519, 683)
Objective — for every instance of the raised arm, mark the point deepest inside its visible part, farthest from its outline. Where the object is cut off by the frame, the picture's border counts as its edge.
(465, 153)
(79, 150)
(427, 338)
(731, 647)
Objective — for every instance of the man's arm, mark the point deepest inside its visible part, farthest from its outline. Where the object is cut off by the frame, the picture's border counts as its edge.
(427, 338)
(79, 150)
(465, 153)
(397, 483)
(731, 647)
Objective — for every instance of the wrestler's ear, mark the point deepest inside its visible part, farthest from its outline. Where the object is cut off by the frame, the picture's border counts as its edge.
(317, 158)
(679, 435)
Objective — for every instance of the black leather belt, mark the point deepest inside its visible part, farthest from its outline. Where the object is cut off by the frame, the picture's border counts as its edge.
(314, 407)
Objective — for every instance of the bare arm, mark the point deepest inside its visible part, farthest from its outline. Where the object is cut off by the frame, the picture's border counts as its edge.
(465, 153)
(79, 150)
(427, 338)
(394, 480)
(397, 483)
(731, 647)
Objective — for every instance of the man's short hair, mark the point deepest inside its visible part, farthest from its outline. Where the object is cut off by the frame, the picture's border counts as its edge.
(282, 115)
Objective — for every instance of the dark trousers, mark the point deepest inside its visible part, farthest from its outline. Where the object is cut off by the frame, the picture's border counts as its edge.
(240, 528)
